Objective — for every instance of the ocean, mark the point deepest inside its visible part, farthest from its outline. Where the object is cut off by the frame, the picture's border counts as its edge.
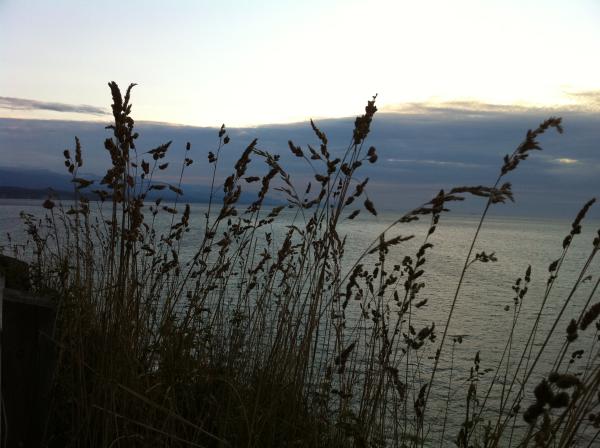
(484, 309)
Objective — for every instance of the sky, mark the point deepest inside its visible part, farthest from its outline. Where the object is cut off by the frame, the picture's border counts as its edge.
(458, 83)
(248, 63)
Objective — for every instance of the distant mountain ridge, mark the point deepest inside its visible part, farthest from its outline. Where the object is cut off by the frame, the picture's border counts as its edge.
(36, 179)
(26, 183)
(8, 192)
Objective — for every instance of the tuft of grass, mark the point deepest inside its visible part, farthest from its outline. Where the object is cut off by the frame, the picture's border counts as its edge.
(256, 338)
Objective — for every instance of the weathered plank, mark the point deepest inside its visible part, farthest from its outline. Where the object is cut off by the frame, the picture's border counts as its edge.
(27, 299)
(27, 364)
(1, 339)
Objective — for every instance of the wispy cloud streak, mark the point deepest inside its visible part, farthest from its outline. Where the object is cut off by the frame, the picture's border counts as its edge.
(435, 162)
(584, 101)
(24, 104)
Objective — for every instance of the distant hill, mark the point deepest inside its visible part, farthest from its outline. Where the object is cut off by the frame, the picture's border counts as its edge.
(26, 183)
(34, 179)
(8, 192)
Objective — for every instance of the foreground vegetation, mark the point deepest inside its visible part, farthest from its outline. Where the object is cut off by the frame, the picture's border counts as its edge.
(261, 341)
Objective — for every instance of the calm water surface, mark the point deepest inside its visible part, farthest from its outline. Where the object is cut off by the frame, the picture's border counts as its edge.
(481, 317)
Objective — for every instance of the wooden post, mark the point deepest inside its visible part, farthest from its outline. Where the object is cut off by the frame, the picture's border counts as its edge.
(1, 338)
(26, 364)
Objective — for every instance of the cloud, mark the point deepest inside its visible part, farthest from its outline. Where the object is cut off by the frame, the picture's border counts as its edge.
(446, 163)
(462, 107)
(24, 104)
(566, 161)
(418, 154)
(587, 98)
(584, 101)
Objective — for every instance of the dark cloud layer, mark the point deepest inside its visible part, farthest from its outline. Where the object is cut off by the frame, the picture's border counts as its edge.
(418, 153)
(24, 104)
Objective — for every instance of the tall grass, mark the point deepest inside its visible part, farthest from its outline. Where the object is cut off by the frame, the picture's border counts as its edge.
(259, 340)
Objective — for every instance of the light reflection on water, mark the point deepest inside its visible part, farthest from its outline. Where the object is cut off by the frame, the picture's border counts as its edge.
(480, 317)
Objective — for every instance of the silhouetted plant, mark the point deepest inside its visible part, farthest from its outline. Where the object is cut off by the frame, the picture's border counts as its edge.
(258, 339)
